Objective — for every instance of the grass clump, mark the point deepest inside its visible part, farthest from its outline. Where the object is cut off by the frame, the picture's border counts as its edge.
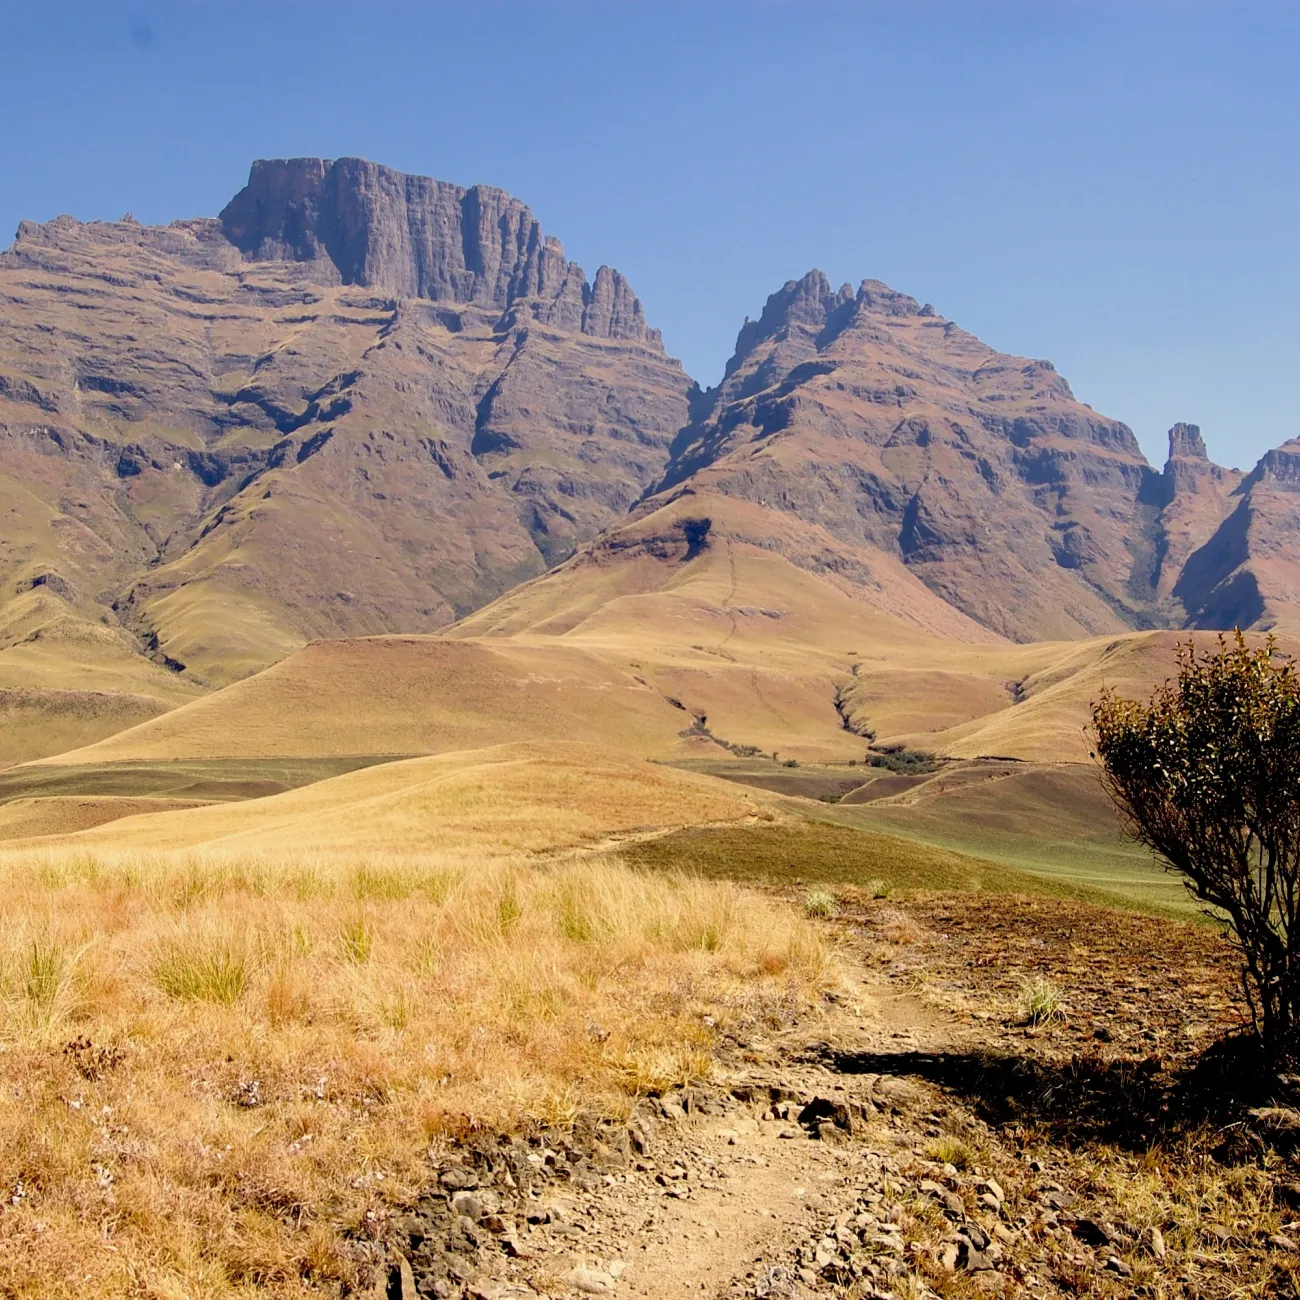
(356, 938)
(820, 903)
(1040, 1002)
(948, 1149)
(202, 968)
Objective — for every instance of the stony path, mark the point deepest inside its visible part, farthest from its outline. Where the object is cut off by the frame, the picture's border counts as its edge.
(832, 1159)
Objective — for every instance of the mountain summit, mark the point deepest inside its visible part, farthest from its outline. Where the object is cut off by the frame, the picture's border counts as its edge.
(358, 223)
(356, 402)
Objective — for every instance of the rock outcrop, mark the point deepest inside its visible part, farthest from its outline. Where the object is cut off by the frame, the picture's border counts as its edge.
(357, 223)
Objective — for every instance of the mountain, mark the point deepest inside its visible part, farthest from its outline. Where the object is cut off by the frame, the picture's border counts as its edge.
(1247, 573)
(897, 433)
(355, 402)
(359, 402)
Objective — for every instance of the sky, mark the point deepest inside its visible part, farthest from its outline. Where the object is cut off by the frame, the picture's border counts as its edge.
(1112, 186)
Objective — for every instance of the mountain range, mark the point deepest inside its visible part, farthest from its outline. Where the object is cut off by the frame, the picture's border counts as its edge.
(359, 402)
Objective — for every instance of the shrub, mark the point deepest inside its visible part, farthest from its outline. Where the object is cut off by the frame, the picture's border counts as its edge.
(903, 761)
(1207, 775)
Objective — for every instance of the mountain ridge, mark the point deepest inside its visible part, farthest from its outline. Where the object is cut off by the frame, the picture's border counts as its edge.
(360, 402)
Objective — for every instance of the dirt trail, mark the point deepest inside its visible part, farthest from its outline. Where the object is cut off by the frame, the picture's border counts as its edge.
(849, 1155)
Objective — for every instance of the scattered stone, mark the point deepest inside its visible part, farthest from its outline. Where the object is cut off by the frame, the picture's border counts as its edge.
(589, 1281)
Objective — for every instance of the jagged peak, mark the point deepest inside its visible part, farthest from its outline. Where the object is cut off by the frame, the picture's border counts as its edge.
(1185, 442)
(804, 304)
(1281, 465)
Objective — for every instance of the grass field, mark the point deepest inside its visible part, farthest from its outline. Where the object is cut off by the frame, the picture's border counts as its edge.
(217, 1066)
(196, 779)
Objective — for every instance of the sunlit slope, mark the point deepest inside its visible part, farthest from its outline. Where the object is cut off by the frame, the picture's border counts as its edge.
(505, 798)
(67, 680)
(1049, 722)
(408, 695)
(668, 643)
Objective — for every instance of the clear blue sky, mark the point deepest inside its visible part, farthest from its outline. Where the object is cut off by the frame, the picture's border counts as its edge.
(1114, 186)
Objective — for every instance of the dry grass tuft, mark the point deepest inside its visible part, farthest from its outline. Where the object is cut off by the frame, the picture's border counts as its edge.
(214, 1066)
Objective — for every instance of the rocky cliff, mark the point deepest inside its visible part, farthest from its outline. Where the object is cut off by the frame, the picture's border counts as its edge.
(357, 223)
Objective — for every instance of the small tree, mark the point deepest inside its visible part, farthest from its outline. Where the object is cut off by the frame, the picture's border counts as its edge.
(1207, 775)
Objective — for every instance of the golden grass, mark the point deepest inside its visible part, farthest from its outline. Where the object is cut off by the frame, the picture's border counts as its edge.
(215, 1066)
(527, 797)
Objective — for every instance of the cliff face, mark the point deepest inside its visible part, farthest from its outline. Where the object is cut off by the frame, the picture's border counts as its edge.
(358, 223)
(1247, 573)
(358, 402)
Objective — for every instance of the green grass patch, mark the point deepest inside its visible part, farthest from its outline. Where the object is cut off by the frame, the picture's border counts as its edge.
(821, 852)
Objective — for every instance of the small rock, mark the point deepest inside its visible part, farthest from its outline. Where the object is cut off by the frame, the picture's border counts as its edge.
(1280, 1242)
(1156, 1243)
(1091, 1233)
(823, 1109)
(1116, 1265)
(468, 1205)
(401, 1280)
(954, 1205)
(456, 1178)
(948, 1257)
(590, 1281)
(994, 1187)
